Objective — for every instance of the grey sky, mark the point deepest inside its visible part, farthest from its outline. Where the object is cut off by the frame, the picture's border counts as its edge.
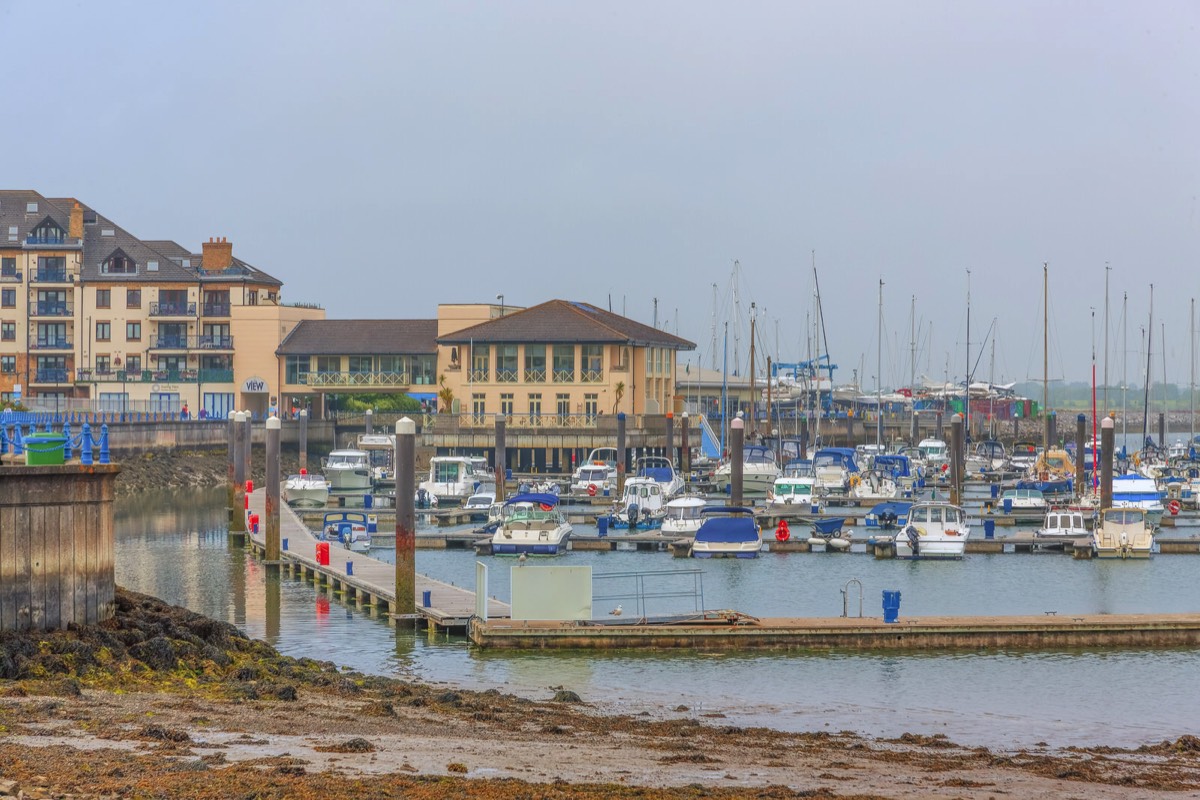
(380, 157)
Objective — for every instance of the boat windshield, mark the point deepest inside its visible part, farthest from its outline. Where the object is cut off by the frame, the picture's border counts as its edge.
(797, 487)
(1124, 516)
(346, 460)
(757, 454)
(593, 474)
(642, 490)
(530, 512)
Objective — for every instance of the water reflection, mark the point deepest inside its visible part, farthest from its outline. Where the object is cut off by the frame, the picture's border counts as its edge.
(174, 546)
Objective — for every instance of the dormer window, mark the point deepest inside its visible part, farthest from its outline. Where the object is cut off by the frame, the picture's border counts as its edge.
(118, 264)
(48, 232)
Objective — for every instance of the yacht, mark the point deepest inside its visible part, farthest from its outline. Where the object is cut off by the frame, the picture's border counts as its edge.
(727, 532)
(661, 470)
(836, 469)
(934, 530)
(348, 471)
(1023, 500)
(531, 524)
(759, 470)
(305, 490)
(793, 491)
(456, 478)
(598, 470)
(683, 515)
(1122, 533)
(935, 454)
(989, 456)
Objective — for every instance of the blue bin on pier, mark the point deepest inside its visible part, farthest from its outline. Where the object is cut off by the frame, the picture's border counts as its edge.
(995, 490)
(372, 523)
(1008, 505)
(891, 605)
(989, 529)
(427, 598)
(602, 525)
(368, 501)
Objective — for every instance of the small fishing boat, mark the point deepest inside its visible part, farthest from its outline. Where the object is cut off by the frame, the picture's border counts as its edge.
(306, 490)
(531, 524)
(683, 515)
(642, 505)
(934, 530)
(727, 532)
(596, 473)
(1061, 527)
(1122, 533)
(348, 528)
(479, 504)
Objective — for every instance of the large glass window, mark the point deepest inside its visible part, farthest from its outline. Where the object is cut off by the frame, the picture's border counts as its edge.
(506, 405)
(329, 363)
(593, 367)
(591, 406)
(52, 268)
(361, 365)
(8, 331)
(506, 363)
(535, 363)
(564, 363)
(133, 298)
(103, 298)
(8, 363)
(8, 298)
(481, 356)
(562, 408)
(295, 369)
(8, 267)
(423, 368)
(103, 331)
(535, 408)
(479, 408)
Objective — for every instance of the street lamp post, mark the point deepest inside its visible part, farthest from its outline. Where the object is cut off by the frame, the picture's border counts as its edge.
(500, 297)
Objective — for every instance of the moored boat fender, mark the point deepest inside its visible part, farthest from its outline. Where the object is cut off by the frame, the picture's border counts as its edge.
(782, 534)
(839, 543)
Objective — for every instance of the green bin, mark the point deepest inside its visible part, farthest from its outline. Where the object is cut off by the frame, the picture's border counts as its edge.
(44, 449)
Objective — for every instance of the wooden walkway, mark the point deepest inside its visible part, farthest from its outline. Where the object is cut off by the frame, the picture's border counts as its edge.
(362, 580)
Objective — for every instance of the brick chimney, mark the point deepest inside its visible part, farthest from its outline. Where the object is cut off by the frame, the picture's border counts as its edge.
(217, 255)
(75, 227)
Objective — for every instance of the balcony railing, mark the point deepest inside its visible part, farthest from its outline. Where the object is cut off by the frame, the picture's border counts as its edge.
(51, 375)
(179, 342)
(216, 309)
(85, 375)
(52, 308)
(592, 376)
(471, 419)
(172, 309)
(356, 379)
(535, 376)
(506, 376)
(11, 277)
(564, 376)
(50, 343)
(478, 376)
(52, 276)
(54, 242)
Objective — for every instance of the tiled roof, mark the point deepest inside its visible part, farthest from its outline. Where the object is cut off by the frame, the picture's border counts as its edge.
(376, 337)
(558, 321)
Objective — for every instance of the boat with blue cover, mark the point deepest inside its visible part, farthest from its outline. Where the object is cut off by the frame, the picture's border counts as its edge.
(727, 532)
(348, 528)
(531, 524)
(888, 516)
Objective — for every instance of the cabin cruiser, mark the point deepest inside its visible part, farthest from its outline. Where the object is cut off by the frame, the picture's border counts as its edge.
(642, 505)
(727, 532)
(531, 524)
(479, 504)
(759, 470)
(1136, 491)
(888, 515)
(1023, 500)
(348, 471)
(348, 528)
(661, 470)
(455, 478)
(935, 453)
(599, 469)
(989, 456)
(834, 468)
(900, 468)
(305, 490)
(1061, 526)
(874, 484)
(792, 490)
(1122, 533)
(1023, 455)
(1053, 473)
(683, 515)
(934, 530)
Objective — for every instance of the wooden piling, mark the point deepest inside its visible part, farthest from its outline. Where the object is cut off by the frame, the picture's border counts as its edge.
(956, 458)
(272, 491)
(737, 435)
(1106, 462)
(237, 522)
(621, 454)
(1080, 439)
(685, 449)
(304, 439)
(406, 515)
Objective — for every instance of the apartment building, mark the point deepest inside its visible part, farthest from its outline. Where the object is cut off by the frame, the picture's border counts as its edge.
(90, 312)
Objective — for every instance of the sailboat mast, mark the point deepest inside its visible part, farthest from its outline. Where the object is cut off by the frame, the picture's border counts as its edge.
(879, 374)
(1045, 351)
(1192, 383)
(714, 328)
(753, 392)
(1107, 270)
(1149, 361)
(817, 347)
(967, 388)
(1095, 460)
(1124, 369)
(992, 387)
(725, 389)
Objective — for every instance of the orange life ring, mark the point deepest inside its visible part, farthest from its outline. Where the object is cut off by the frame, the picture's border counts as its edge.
(1174, 507)
(782, 534)
(591, 490)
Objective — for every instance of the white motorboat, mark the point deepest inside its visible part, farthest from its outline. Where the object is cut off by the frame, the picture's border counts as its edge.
(835, 469)
(643, 504)
(1024, 456)
(348, 528)
(874, 485)
(989, 456)
(759, 471)
(934, 530)
(305, 490)
(1023, 500)
(1123, 533)
(348, 471)
(479, 504)
(660, 469)
(1137, 491)
(1062, 526)
(531, 524)
(683, 515)
(935, 454)
(455, 478)
(596, 480)
(792, 491)
(727, 532)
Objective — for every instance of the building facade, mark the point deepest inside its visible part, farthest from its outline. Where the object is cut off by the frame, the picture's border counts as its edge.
(91, 313)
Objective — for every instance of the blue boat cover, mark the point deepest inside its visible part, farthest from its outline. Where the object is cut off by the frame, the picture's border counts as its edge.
(728, 529)
(895, 465)
(533, 497)
(660, 474)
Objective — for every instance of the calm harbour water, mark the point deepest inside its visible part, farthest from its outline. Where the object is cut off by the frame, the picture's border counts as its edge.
(174, 546)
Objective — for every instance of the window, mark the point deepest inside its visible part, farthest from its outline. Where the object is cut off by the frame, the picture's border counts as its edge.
(481, 356)
(133, 298)
(133, 363)
(103, 331)
(133, 331)
(535, 409)
(593, 368)
(8, 364)
(8, 298)
(103, 365)
(8, 267)
(506, 405)
(52, 334)
(423, 368)
(535, 363)
(296, 369)
(564, 363)
(252, 298)
(361, 365)
(392, 365)
(562, 407)
(113, 401)
(478, 408)
(329, 363)
(506, 363)
(118, 264)
(8, 331)
(48, 232)
(104, 298)
(591, 406)
(52, 268)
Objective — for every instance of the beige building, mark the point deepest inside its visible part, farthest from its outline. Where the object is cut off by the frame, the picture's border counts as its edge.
(91, 315)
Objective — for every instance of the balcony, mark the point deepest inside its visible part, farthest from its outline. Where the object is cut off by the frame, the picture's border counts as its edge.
(51, 375)
(202, 342)
(50, 343)
(478, 376)
(506, 376)
(52, 276)
(154, 376)
(359, 380)
(180, 309)
(564, 376)
(53, 243)
(11, 277)
(52, 308)
(216, 309)
(535, 376)
(216, 376)
(592, 376)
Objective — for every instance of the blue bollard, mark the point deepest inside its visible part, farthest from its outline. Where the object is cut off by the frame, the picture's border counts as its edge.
(349, 567)
(891, 606)
(85, 446)
(1008, 505)
(368, 501)
(427, 598)
(989, 529)
(67, 443)
(284, 545)
(602, 525)
(104, 455)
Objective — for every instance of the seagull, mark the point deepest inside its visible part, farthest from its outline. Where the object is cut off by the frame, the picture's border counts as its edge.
(616, 612)
(521, 558)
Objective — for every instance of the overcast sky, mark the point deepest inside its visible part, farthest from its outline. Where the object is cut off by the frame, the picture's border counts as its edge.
(381, 157)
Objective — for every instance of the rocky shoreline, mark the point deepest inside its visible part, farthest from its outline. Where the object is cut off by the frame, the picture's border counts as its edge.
(161, 702)
(187, 469)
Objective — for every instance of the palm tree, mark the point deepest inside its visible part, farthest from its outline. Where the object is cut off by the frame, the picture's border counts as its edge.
(446, 395)
(618, 393)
